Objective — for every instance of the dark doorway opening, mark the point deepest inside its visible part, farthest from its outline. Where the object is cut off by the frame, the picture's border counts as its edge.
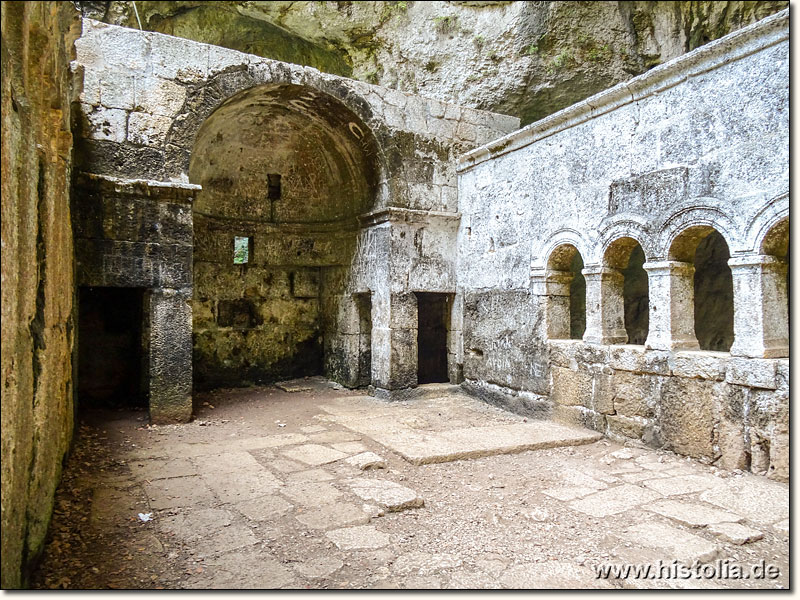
(433, 314)
(110, 348)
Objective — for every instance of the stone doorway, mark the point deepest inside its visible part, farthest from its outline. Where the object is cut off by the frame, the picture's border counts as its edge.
(110, 352)
(433, 314)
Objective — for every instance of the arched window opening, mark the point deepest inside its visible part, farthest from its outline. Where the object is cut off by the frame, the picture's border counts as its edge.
(627, 257)
(566, 306)
(713, 294)
(577, 299)
(776, 243)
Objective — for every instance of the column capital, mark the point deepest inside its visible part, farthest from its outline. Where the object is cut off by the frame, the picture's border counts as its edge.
(755, 260)
(676, 267)
(600, 271)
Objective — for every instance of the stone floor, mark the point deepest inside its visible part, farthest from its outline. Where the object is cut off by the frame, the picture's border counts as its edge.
(316, 487)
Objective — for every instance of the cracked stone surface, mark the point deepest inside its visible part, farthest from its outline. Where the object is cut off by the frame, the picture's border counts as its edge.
(388, 494)
(363, 537)
(693, 515)
(672, 542)
(228, 512)
(735, 533)
(366, 460)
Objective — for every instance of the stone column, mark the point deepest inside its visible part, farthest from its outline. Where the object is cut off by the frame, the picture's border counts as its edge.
(605, 311)
(170, 348)
(394, 342)
(554, 286)
(671, 290)
(381, 339)
(403, 340)
(760, 309)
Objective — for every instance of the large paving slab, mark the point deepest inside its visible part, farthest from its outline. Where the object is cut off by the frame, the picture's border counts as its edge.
(388, 494)
(614, 500)
(671, 543)
(691, 514)
(425, 431)
(756, 498)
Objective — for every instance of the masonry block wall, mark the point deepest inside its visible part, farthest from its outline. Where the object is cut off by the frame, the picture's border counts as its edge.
(138, 234)
(367, 195)
(657, 213)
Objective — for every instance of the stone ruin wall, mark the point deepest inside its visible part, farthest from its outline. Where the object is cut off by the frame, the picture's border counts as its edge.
(174, 111)
(700, 143)
(38, 320)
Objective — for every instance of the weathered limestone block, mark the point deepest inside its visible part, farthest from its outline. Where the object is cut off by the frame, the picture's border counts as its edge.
(570, 387)
(593, 354)
(403, 344)
(305, 283)
(115, 90)
(602, 393)
(145, 129)
(769, 430)
(752, 372)
(105, 123)
(639, 360)
(700, 365)
(562, 353)
(176, 58)
(635, 394)
(782, 374)
(779, 457)
(626, 427)
(580, 416)
(687, 416)
(341, 354)
(733, 403)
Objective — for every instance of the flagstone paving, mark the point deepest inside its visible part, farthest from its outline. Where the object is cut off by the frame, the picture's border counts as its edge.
(315, 487)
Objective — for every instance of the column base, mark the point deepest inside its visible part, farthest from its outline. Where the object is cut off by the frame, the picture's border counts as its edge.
(618, 336)
(775, 349)
(671, 344)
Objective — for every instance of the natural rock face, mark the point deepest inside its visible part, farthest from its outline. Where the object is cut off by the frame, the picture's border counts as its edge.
(37, 320)
(526, 59)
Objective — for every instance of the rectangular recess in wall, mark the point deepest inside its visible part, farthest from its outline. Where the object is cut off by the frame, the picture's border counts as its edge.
(273, 186)
(242, 250)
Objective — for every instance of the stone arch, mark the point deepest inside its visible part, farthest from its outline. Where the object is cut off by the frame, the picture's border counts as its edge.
(624, 226)
(775, 242)
(287, 170)
(626, 291)
(565, 308)
(318, 95)
(706, 252)
(562, 237)
(764, 222)
(693, 215)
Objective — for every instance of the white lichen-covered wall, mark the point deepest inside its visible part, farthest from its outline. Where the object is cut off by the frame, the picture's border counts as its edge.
(698, 143)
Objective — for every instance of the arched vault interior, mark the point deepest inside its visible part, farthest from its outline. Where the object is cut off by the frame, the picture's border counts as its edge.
(285, 172)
